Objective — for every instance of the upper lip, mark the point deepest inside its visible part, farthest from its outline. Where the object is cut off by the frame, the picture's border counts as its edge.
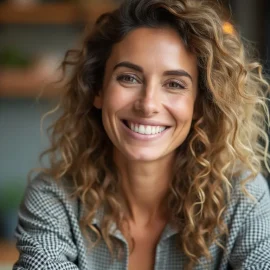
(146, 122)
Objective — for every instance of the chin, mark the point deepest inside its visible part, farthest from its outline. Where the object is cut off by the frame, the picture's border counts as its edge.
(145, 156)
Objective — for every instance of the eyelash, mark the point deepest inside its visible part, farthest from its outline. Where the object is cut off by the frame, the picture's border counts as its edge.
(181, 86)
(121, 78)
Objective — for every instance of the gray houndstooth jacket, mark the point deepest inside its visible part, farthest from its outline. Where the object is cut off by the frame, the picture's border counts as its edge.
(49, 237)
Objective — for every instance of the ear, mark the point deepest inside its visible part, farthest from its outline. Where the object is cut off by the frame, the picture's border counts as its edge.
(98, 102)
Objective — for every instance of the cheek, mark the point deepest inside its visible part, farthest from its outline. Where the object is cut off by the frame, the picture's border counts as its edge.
(182, 108)
(116, 98)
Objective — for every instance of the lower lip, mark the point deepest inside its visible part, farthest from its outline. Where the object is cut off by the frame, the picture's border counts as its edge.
(144, 137)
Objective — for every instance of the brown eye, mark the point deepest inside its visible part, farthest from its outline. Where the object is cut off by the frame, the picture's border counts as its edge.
(175, 85)
(127, 79)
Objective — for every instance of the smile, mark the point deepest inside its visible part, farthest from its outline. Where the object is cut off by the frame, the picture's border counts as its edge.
(144, 129)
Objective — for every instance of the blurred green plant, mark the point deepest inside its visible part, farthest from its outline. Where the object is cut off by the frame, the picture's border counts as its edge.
(11, 195)
(12, 58)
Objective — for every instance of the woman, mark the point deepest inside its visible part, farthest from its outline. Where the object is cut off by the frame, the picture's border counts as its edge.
(156, 159)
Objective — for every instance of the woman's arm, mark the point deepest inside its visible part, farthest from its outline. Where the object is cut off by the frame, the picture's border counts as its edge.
(47, 233)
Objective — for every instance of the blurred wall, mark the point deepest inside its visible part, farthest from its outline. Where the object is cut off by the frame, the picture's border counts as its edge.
(20, 142)
(250, 17)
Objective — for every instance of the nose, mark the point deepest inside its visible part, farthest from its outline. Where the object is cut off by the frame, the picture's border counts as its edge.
(149, 101)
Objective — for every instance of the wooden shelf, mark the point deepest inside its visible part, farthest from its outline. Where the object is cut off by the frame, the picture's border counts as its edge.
(33, 82)
(51, 13)
(60, 13)
(8, 252)
(29, 83)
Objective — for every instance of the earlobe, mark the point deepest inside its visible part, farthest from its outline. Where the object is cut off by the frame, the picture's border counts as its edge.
(98, 102)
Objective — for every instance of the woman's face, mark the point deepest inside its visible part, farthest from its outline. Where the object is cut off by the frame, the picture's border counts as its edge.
(148, 95)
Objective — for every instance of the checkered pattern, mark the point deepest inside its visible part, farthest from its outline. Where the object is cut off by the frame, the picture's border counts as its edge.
(49, 237)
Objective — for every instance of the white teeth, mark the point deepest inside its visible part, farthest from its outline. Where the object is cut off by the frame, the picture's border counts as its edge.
(161, 129)
(141, 129)
(148, 130)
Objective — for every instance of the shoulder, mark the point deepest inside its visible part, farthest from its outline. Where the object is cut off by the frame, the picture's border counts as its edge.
(43, 182)
(257, 188)
(254, 202)
(53, 198)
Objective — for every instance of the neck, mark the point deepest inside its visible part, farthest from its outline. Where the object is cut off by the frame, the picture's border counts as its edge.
(145, 186)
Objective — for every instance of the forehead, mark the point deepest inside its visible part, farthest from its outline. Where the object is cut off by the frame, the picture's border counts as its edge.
(150, 47)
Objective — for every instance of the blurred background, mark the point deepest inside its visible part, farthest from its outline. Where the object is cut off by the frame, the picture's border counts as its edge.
(34, 36)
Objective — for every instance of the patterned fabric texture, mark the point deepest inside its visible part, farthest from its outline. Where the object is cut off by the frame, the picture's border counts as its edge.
(49, 237)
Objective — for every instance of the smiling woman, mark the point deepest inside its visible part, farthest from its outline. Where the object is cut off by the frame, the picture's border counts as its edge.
(156, 158)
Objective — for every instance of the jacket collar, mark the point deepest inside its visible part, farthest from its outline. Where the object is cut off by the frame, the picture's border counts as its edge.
(168, 231)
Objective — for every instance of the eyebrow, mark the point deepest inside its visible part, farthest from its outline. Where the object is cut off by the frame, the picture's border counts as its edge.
(179, 72)
(128, 65)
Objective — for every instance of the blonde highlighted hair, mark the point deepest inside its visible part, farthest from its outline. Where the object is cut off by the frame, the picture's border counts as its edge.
(227, 139)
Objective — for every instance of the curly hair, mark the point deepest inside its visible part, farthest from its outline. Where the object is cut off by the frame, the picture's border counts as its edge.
(226, 141)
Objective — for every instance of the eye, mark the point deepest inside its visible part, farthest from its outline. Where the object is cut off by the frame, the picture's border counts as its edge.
(127, 79)
(176, 85)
